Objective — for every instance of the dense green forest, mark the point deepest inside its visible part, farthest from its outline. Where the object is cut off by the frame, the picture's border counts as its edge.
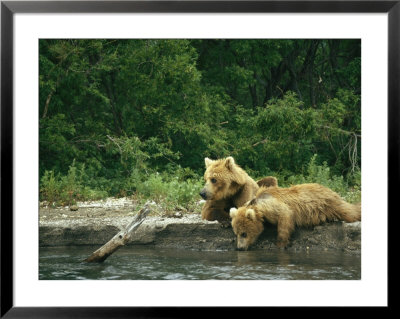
(137, 117)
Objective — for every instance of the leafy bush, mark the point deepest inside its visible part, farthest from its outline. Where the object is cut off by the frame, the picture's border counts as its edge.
(321, 174)
(66, 190)
(49, 187)
(126, 109)
(173, 190)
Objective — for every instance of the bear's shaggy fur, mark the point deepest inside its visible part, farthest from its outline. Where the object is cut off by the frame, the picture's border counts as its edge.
(227, 185)
(299, 205)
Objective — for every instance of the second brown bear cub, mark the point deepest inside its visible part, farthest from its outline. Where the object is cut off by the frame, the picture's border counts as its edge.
(299, 205)
(227, 185)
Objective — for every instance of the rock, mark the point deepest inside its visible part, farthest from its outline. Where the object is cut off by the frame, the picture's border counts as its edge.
(73, 208)
(44, 204)
(312, 241)
(159, 226)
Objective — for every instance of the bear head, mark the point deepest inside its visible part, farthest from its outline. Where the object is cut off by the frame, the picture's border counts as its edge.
(247, 225)
(223, 178)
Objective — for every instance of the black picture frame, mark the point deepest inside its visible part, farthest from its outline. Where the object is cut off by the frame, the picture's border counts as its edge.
(9, 8)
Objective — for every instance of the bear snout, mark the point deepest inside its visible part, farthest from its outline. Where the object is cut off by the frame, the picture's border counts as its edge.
(203, 194)
(241, 248)
(242, 244)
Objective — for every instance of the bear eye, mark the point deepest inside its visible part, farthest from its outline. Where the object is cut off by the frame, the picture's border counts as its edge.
(213, 180)
(244, 235)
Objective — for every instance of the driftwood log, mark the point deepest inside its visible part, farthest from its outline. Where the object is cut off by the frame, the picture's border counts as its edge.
(120, 239)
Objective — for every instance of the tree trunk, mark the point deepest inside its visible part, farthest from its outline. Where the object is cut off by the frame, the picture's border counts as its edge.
(120, 239)
(108, 82)
(253, 94)
(46, 106)
(308, 69)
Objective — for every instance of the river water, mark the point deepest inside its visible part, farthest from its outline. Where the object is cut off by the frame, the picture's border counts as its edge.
(147, 263)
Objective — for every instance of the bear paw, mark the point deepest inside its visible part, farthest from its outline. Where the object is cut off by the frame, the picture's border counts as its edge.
(281, 244)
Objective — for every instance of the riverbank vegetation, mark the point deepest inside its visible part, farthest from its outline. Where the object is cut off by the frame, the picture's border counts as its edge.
(137, 117)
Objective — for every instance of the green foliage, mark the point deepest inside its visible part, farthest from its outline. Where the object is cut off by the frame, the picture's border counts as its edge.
(286, 130)
(322, 174)
(173, 190)
(66, 190)
(176, 186)
(49, 188)
(123, 110)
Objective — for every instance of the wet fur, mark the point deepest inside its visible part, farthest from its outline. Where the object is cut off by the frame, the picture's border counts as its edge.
(299, 205)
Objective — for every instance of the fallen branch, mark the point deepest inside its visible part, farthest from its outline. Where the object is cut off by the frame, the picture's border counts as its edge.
(120, 239)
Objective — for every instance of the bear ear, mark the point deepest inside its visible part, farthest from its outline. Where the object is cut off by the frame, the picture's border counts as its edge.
(208, 162)
(251, 214)
(239, 176)
(229, 162)
(269, 181)
(233, 212)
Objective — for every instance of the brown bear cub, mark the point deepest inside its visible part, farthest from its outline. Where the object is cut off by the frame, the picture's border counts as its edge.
(227, 185)
(299, 205)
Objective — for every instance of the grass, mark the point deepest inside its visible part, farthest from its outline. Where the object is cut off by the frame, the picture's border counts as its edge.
(175, 190)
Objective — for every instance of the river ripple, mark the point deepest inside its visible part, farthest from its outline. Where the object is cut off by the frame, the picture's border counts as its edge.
(147, 263)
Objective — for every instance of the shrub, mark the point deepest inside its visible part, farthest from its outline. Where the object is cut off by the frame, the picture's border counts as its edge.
(49, 189)
(321, 174)
(171, 190)
(66, 190)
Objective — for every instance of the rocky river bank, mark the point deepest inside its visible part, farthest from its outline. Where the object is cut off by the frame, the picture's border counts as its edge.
(95, 223)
